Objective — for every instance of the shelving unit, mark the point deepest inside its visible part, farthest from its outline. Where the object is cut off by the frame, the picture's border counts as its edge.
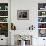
(4, 19)
(42, 19)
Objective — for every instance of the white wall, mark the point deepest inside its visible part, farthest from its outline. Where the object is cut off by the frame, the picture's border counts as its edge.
(32, 6)
(24, 5)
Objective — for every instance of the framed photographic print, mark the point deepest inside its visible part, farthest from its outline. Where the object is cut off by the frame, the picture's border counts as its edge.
(22, 14)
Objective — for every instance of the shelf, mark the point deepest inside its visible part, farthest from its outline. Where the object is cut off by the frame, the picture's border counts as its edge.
(41, 28)
(3, 10)
(41, 10)
(41, 22)
(3, 22)
(42, 16)
(3, 16)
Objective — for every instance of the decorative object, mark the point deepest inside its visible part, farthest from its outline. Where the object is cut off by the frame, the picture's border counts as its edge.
(3, 6)
(23, 40)
(6, 7)
(31, 27)
(41, 6)
(42, 32)
(22, 43)
(23, 14)
(41, 25)
(4, 29)
(41, 19)
(3, 13)
(3, 19)
(43, 13)
(13, 27)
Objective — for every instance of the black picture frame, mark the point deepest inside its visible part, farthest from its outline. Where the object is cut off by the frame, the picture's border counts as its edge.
(22, 14)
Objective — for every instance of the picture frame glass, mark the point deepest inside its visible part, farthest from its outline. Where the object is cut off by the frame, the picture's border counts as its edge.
(22, 14)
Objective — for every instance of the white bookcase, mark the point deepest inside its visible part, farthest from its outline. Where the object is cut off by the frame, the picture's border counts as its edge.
(5, 13)
(4, 18)
(42, 19)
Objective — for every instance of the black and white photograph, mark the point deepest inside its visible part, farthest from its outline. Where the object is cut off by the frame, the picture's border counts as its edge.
(22, 14)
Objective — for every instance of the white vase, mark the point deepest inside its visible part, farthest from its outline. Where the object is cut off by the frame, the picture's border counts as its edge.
(22, 43)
